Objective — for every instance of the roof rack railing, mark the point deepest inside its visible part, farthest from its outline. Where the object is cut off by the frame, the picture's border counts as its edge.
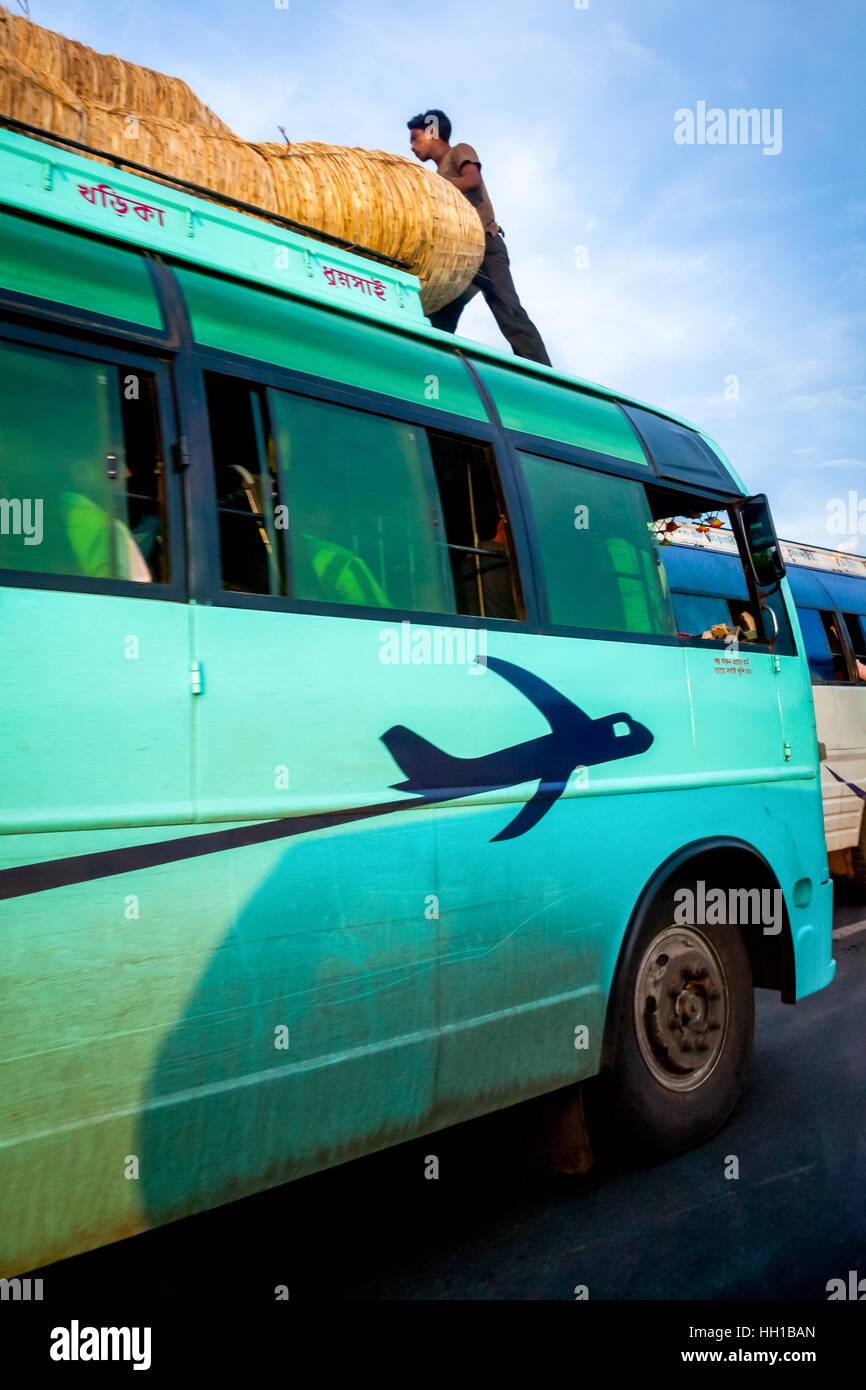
(201, 192)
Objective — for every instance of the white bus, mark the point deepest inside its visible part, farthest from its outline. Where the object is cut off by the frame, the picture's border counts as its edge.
(829, 589)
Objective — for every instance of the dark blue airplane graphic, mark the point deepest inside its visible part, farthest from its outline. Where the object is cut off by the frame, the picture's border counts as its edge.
(575, 740)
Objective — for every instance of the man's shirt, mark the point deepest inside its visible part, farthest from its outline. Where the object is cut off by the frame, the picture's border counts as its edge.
(457, 156)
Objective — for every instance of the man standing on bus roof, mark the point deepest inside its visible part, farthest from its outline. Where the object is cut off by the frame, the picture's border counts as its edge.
(429, 135)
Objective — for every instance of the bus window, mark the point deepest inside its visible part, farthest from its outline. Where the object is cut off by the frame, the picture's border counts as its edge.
(784, 645)
(363, 508)
(476, 528)
(857, 634)
(724, 611)
(246, 488)
(697, 613)
(823, 647)
(322, 502)
(81, 470)
(599, 555)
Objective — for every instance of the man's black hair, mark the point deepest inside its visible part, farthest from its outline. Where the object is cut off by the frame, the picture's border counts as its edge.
(433, 119)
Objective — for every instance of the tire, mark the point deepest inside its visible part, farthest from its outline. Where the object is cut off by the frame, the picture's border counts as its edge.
(683, 1012)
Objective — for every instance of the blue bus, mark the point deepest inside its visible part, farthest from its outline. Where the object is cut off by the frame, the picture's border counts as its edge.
(829, 590)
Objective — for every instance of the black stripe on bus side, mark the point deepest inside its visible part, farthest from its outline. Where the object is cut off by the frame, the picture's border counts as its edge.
(84, 868)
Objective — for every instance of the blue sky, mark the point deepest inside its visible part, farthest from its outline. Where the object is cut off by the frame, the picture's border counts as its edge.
(704, 262)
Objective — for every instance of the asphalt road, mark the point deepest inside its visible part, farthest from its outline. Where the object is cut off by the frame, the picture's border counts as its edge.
(493, 1227)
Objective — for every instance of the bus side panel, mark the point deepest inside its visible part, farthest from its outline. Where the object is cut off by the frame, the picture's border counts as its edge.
(532, 924)
(95, 975)
(96, 712)
(189, 1033)
(607, 848)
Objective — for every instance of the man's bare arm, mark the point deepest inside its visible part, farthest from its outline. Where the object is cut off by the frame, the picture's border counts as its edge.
(469, 177)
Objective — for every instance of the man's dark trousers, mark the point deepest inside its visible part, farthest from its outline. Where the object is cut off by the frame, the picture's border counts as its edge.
(495, 283)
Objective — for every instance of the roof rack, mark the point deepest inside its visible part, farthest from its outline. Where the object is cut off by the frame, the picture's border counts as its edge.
(328, 237)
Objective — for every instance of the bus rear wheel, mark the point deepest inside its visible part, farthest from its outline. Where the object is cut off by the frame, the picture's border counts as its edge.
(684, 1013)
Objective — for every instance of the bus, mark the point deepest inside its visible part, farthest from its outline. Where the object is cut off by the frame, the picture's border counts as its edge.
(829, 590)
(357, 779)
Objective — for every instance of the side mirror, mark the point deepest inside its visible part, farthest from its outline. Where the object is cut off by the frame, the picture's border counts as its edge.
(765, 553)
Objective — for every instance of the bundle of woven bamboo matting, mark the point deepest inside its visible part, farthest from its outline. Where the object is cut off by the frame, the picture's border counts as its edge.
(383, 201)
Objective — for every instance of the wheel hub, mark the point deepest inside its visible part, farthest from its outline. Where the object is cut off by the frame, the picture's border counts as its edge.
(681, 1008)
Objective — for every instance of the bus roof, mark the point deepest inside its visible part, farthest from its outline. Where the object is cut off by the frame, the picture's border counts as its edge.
(39, 176)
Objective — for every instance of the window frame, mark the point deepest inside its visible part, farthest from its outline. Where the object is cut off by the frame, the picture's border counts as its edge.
(725, 602)
(848, 643)
(431, 496)
(593, 633)
(114, 354)
(516, 575)
(850, 679)
(717, 502)
(516, 441)
(760, 644)
(268, 377)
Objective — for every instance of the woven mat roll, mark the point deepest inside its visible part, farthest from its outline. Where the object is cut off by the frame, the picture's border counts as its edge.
(387, 202)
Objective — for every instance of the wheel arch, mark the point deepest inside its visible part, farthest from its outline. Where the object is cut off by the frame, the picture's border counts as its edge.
(721, 861)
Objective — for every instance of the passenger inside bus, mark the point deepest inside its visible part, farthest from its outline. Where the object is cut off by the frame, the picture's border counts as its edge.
(329, 571)
(746, 627)
(488, 568)
(103, 547)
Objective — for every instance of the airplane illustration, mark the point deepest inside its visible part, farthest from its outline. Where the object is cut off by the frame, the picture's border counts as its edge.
(575, 740)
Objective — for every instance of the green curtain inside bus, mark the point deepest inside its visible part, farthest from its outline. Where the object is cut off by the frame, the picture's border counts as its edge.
(362, 501)
(599, 556)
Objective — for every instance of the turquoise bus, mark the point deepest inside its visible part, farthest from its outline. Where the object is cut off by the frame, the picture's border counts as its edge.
(357, 779)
